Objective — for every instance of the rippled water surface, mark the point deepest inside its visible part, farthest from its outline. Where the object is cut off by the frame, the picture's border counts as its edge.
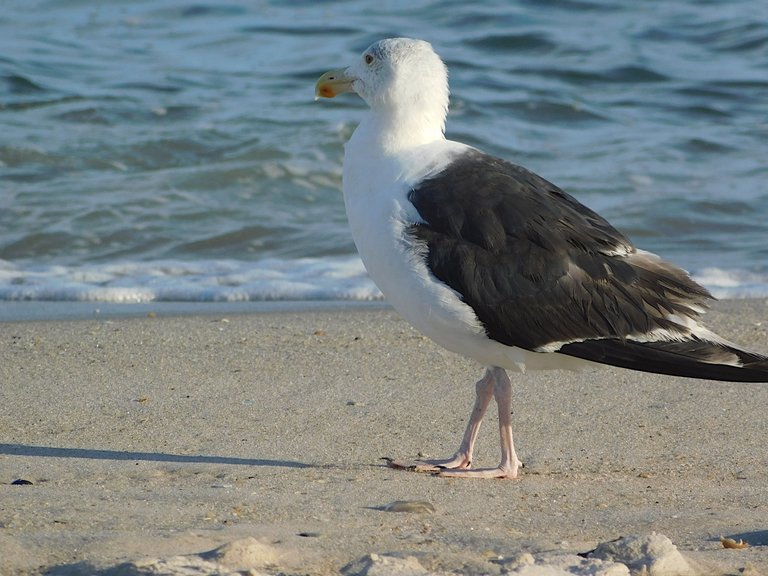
(173, 151)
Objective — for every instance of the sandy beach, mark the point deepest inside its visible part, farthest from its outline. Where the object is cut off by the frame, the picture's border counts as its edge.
(164, 435)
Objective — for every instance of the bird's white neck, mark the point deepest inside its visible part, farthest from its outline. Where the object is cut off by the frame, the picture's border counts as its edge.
(391, 132)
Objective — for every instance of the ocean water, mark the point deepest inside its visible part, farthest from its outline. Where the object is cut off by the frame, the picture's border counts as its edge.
(173, 151)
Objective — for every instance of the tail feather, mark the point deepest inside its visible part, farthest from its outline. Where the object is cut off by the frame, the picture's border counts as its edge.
(691, 358)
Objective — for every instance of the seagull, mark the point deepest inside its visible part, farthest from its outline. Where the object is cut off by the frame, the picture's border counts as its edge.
(493, 262)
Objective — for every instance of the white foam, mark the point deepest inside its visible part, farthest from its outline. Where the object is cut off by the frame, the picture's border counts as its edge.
(338, 278)
(199, 281)
(733, 283)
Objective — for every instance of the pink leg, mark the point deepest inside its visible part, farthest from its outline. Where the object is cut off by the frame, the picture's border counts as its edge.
(463, 457)
(495, 382)
(509, 464)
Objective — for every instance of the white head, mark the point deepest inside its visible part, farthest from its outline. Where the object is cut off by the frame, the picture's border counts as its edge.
(402, 80)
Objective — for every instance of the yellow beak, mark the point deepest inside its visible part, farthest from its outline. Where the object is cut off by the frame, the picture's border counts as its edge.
(333, 83)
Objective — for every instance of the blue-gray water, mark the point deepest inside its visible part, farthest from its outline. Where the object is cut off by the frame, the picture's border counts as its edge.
(173, 151)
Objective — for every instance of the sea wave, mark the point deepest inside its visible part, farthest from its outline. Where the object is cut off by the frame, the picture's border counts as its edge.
(303, 279)
(342, 278)
(733, 283)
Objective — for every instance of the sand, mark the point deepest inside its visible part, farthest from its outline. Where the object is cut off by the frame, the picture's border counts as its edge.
(162, 435)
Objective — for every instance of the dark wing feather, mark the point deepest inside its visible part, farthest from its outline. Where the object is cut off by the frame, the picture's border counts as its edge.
(537, 266)
(692, 358)
(545, 273)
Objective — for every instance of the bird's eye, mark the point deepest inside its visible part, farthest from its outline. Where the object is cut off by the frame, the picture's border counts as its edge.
(368, 59)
